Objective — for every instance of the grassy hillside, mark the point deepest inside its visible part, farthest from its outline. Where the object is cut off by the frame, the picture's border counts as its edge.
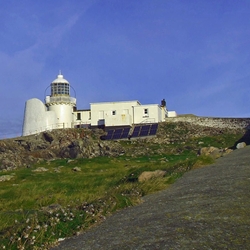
(68, 196)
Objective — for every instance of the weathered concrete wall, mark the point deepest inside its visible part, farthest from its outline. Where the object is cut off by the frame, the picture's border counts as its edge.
(234, 123)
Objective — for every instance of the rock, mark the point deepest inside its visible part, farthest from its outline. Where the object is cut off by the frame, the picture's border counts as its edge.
(48, 137)
(227, 151)
(52, 208)
(72, 150)
(147, 175)
(241, 145)
(164, 160)
(41, 169)
(6, 177)
(9, 164)
(58, 169)
(211, 151)
(2, 146)
(76, 169)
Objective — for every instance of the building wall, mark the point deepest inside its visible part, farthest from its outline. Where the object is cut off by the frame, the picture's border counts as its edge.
(36, 118)
(171, 114)
(64, 114)
(82, 117)
(113, 113)
(120, 114)
(147, 114)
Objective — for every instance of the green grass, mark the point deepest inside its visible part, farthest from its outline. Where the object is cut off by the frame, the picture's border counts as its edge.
(220, 140)
(27, 196)
(80, 199)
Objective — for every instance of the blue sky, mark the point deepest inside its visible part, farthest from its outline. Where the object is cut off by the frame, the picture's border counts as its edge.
(195, 54)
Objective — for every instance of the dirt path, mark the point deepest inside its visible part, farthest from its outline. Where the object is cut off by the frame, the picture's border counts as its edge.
(208, 208)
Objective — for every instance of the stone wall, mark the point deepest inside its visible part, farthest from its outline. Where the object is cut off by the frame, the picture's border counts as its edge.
(232, 123)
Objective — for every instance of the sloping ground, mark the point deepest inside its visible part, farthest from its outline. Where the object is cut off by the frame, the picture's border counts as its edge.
(208, 208)
(85, 143)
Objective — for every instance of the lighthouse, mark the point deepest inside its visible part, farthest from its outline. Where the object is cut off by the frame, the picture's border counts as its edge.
(60, 102)
(57, 112)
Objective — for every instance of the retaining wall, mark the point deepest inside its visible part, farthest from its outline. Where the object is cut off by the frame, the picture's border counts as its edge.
(233, 123)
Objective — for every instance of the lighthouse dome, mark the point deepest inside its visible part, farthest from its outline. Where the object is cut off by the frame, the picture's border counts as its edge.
(60, 79)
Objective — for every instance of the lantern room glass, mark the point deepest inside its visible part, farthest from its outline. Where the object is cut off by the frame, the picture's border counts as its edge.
(59, 89)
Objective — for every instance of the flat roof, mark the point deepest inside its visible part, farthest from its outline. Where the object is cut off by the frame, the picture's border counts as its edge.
(115, 102)
(82, 110)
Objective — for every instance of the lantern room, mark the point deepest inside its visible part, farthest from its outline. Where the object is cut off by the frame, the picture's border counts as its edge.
(60, 86)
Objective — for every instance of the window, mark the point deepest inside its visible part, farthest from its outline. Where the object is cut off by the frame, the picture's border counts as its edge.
(78, 116)
(145, 113)
(114, 112)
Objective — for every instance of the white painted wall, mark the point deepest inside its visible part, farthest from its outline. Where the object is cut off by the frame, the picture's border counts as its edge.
(164, 113)
(151, 113)
(85, 117)
(37, 118)
(113, 113)
(172, 114)
(121, 114)
(64, 114)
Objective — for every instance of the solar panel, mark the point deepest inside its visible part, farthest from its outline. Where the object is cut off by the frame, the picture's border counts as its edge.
(117, 134)
(111, 131)
(137, 128)
(144, 130)
(153, 129)
(116, 137)
(152, 132)
(109, 134)
(154, 126)
(136, 131)
(125, 133)
(143, 133)
(118, 131)
(139, 131)
(145, 127)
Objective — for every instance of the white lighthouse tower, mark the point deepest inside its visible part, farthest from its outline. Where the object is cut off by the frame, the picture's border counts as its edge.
(57, 112)
(60, 102)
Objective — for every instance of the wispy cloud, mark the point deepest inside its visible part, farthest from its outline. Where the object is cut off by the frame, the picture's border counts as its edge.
(53, 36)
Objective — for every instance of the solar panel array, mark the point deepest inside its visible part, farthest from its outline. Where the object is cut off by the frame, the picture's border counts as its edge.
(138, 131)
(116, 134)
(145, 130)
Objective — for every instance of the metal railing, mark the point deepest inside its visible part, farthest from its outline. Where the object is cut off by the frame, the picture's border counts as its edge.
(66, 99)
(49, 128)
(57, 126)
(149, 120)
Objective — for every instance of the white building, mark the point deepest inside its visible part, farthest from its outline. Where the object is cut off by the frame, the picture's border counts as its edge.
(59, 111)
